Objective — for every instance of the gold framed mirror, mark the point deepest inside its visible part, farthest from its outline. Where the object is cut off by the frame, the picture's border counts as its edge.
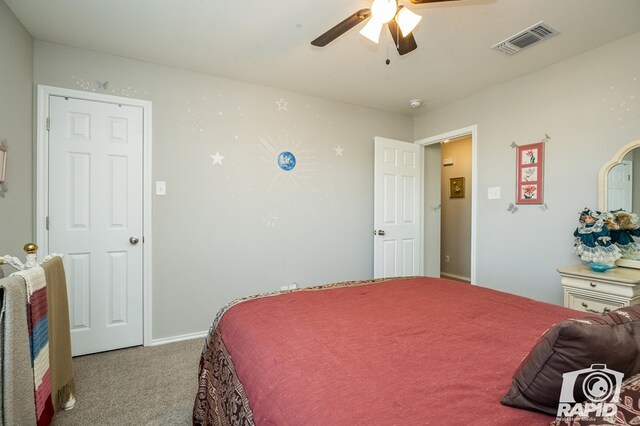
(619, 186)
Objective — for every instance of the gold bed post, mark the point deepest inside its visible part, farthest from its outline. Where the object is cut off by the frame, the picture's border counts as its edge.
(32, 260)
(31, 249)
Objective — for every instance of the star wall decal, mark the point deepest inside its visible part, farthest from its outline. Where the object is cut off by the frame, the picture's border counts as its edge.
(339, 150)
(217, 158)
(282, 105)
(270, 220)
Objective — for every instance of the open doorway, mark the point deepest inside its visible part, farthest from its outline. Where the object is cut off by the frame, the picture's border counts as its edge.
(438, 232)
(455, 211)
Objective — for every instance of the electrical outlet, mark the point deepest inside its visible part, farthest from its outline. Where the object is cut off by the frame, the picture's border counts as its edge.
(447, 258)
(291, 286)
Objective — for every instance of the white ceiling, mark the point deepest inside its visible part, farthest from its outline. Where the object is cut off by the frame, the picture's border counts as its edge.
(268, 42)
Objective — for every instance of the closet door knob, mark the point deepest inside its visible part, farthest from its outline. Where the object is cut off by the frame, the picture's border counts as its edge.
(134, 240)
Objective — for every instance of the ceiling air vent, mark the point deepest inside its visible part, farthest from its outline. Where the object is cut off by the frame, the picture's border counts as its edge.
(532, 35)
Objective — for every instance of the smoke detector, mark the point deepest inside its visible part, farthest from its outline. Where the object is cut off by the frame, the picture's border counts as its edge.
(415, 103)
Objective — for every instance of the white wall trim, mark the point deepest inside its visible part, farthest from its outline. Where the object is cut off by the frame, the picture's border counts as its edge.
(473, 132)
(42, 183)
(183, 337)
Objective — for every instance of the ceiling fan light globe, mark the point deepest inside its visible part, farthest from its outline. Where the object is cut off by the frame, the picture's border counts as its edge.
(407, 20)
(383, 10)
(372, 30)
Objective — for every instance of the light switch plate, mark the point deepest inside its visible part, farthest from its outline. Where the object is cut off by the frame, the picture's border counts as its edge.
(493, 193)
(161, 188)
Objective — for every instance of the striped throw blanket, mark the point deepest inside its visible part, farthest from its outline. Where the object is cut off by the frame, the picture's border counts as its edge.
(39, 341)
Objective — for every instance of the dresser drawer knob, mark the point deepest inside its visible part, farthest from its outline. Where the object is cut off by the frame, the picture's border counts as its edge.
(586, 308)
(593, 285)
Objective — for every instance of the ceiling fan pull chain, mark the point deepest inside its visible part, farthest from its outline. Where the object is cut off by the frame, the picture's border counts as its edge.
(388, 61)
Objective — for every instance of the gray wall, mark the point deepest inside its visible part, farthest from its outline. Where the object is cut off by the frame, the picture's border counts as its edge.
(455, 232)
(431, 208)
(230, 230)
(590, 106)
(16, 79)
(244, 226)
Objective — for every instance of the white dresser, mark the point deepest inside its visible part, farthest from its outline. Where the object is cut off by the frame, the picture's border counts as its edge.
(599, 292)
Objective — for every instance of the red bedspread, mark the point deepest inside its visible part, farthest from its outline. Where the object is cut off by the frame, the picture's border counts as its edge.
(404, 352)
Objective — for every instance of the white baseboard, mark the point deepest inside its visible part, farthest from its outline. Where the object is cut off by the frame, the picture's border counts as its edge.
(455, 277)
(173, 339)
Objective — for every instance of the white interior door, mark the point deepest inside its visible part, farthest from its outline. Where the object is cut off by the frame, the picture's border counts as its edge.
(397, 170)
(96, 218)
(619, 191)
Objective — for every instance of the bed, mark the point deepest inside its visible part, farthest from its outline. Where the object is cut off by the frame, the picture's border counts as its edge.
(393, 351)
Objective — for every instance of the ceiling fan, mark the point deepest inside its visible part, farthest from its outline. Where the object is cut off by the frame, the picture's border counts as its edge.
(399, 19)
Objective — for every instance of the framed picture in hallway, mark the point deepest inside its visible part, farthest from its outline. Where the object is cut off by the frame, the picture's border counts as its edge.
(529, 173)
(456, 187)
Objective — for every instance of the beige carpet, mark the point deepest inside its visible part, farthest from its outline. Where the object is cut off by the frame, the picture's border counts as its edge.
(153, 385)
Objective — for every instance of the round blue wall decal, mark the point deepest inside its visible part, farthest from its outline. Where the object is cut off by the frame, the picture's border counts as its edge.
(286, 161)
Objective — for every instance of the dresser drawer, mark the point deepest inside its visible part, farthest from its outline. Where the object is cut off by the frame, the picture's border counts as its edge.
(600, 286)
(592, 303)
(596, 292)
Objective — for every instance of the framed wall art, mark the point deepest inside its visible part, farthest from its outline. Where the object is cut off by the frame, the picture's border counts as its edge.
(529, 173)
(456, 187)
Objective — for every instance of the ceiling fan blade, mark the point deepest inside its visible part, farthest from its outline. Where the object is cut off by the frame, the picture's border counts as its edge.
(428, 1)
(403, 44)
(342, 28)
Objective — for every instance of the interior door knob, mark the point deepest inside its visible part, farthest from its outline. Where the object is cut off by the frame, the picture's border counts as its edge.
(381, 232)
(134, 240)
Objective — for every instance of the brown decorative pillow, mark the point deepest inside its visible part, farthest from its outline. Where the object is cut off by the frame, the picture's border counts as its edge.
(628, 408)
(569, 346)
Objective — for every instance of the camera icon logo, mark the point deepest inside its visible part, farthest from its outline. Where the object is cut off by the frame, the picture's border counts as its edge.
(597, 386)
